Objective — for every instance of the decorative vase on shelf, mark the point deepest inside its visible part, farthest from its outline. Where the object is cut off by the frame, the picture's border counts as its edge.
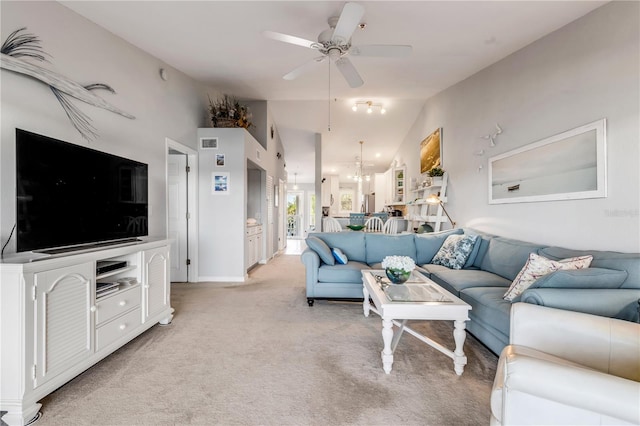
(397, 276)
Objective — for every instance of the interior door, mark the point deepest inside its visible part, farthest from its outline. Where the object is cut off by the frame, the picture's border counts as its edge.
(178, 219)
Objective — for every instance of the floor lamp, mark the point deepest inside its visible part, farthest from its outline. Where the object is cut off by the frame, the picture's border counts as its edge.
(434, 199)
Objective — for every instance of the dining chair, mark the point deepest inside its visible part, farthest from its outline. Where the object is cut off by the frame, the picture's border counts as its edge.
(374, 224)
(331, 224)
(391, 226)
(383, 216)
(356, 219)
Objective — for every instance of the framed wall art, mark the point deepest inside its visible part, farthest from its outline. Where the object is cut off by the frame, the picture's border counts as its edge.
(219, 160)
(431, 151)
(220, 183)
(567, 166)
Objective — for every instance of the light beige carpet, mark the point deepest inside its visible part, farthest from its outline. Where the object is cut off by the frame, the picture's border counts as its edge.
(256, 354)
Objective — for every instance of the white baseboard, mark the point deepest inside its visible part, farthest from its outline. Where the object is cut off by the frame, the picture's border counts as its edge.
(221, 279)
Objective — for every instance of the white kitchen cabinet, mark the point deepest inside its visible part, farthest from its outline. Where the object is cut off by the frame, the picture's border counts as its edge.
(253, 245)
(380, 183)
(331, 194)
(53, 325)
(398, 186)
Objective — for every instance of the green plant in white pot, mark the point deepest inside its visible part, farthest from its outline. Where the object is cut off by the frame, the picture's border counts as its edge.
(436, 172)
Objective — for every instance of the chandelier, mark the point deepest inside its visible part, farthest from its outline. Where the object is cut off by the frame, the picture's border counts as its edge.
(370, 106)
(359, 175)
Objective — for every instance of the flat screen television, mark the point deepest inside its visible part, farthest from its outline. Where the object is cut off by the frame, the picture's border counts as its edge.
(68, 196)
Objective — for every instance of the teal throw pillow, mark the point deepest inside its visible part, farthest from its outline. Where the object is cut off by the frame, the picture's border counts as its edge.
(340, 257)
(323, 250)
(455, 251)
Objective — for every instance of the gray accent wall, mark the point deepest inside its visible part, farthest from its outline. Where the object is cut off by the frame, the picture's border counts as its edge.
(582, 72)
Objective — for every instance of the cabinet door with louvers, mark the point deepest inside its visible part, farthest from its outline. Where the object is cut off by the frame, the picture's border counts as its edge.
(64, 321)
(156, 288)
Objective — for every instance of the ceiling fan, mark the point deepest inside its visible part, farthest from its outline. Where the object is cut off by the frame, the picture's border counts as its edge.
(335, 43)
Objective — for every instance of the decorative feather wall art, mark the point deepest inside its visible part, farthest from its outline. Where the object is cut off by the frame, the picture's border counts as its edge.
(21, 45)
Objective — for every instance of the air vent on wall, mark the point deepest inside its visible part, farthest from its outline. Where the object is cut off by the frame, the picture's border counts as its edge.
(209, 143)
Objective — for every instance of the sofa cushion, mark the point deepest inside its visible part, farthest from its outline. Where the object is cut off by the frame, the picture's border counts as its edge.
(349, 273)
(539, 266)
(582, 278)
(320, 247)
(428, 244)
(351, 243)
(340, 257)
(455, 281)
(602, 259)
(506, 257)
(482, 246)
(487, 303)
(380, 246)
(455, 251)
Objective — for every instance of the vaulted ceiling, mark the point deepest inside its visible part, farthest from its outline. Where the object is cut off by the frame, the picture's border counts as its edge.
(221, 44)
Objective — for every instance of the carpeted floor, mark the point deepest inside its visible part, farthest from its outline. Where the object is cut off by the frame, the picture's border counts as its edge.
(256, 354)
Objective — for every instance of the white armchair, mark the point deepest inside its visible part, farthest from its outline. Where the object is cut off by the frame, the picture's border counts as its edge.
(564, 367)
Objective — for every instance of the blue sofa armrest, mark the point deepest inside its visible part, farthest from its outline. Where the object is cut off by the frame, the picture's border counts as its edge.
(311, 262)
(613, 303)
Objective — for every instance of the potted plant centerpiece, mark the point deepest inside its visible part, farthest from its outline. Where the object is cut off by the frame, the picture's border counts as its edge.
(398, 268)
(227, 112)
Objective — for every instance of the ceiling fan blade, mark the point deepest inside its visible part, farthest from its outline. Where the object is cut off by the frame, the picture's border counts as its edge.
(288, 38)
(381, 50)
(347, 23)
(349, 72)
(304, 68)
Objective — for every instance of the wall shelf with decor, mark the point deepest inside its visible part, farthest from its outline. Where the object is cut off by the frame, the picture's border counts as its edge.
(419, 211)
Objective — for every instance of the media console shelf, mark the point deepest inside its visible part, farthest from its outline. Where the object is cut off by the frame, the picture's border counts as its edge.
(53, 325)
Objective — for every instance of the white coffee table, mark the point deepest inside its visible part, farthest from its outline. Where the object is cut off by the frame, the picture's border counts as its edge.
(417, 299)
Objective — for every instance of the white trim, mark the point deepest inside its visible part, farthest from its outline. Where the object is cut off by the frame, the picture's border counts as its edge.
(600, 191)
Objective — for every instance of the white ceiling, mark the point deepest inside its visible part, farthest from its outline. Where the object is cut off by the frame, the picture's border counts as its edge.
(220, 44)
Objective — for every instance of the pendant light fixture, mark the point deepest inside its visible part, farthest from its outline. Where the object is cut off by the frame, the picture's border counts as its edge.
(295, 180)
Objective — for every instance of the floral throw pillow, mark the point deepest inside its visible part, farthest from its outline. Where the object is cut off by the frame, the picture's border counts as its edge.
(455, 251)
(538, 266)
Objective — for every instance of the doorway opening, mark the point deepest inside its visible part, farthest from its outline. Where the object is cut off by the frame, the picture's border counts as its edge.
(295, 215)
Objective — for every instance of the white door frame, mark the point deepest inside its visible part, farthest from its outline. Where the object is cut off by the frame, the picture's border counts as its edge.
(192, 202)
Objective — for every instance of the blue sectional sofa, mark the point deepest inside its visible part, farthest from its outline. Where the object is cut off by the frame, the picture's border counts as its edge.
(609, 287)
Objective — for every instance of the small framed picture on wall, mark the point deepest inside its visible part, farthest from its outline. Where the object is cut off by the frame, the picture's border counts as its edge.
(220, 183)
(219, 160)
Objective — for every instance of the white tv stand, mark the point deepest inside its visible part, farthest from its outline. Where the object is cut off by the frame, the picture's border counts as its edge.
(53, 327)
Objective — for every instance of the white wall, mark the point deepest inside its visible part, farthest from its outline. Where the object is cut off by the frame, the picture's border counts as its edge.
(88, 54)
(584, 71)
(222, 217)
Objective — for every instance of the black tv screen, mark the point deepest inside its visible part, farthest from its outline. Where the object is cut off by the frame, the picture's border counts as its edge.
(70, 195)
